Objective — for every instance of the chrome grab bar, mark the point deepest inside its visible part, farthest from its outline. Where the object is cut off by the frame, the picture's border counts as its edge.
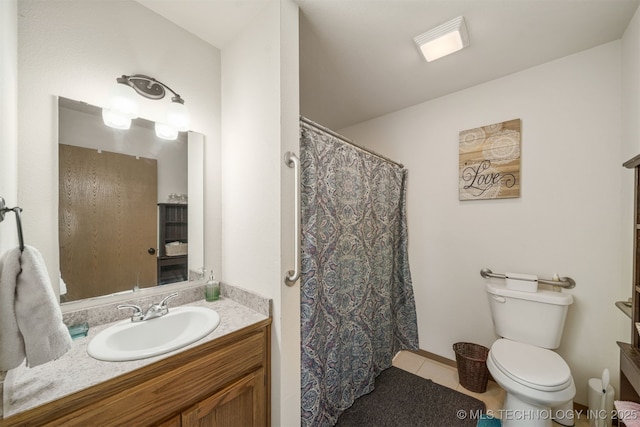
(292, 161)
(563, 282)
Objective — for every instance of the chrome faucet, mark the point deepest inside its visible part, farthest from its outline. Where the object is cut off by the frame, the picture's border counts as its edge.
(156, 310)
(137, 311)
(159, 309)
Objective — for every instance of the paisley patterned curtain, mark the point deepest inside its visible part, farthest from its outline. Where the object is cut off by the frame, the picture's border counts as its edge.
(357, 303)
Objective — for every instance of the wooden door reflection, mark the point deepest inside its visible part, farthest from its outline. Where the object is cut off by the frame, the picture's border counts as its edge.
(107, 222)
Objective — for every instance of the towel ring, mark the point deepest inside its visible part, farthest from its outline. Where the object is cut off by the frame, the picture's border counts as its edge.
(16, 210)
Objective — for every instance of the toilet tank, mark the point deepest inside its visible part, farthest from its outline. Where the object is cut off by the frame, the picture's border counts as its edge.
(535, 318)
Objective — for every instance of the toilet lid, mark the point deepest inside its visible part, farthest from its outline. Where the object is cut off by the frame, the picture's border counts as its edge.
(531, 366)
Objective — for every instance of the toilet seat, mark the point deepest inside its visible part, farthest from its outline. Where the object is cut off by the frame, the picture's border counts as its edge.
(531, 366)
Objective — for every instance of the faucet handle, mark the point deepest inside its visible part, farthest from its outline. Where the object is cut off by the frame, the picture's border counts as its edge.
(163, 303)
(137, 313)
(159, 309)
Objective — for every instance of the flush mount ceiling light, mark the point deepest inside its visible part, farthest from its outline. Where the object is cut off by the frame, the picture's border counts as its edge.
(443, 40)
(122, 105)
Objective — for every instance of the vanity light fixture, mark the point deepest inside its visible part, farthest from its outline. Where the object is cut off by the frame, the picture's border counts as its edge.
(443, 40)
(122, 105)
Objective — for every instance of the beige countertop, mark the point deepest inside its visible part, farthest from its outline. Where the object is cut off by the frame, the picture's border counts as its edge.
(76, 370)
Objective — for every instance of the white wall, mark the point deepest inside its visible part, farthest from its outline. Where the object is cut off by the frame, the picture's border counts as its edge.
(567, 219)
(290, 141)
(259, 122)
(631, 89)
(8, 126)
(76, 49)
(8, 118)
(250, 154)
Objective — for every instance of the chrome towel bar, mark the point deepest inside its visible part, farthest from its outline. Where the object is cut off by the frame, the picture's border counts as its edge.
(292, 161)
(4, 209)
(564, 282)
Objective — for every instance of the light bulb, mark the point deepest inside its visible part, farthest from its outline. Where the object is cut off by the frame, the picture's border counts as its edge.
(115, 119)
(123, 99)
(178, 116)
(442, 46)
(165, 131)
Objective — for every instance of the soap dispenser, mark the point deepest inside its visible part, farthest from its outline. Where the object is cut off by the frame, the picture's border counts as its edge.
(212, 288)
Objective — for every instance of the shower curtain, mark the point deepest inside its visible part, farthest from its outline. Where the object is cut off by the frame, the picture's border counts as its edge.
(357, 303)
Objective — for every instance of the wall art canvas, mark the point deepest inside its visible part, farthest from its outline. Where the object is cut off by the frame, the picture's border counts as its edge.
(489, 165)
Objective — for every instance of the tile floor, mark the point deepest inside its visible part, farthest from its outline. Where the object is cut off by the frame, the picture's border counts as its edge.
(447, 376)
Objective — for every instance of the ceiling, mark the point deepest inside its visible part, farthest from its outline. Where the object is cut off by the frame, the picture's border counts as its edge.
(358, 60)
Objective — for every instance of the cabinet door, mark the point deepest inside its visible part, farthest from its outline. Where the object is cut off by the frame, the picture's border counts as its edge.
(240, 404)
(171, 422)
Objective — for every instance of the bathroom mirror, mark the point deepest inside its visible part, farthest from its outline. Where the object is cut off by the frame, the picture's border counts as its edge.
(130, 205)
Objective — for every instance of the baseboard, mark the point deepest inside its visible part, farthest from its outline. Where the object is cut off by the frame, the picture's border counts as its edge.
(579, 407)
(436, 357)
(440, 359)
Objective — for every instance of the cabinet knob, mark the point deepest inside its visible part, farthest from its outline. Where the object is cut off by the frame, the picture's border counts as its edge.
(151, 251)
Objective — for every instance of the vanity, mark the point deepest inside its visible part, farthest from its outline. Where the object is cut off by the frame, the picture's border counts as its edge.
(222, 379)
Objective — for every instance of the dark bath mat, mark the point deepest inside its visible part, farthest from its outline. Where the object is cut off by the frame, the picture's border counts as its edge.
(404, 399)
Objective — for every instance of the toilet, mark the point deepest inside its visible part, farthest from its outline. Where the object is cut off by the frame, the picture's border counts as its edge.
(538, 382)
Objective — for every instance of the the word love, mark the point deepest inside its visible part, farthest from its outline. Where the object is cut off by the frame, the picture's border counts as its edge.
(479, 178)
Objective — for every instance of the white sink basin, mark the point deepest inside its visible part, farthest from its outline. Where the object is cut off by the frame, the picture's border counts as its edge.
(129, 340)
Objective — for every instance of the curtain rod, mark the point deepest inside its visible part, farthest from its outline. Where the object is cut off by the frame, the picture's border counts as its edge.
(348, 141)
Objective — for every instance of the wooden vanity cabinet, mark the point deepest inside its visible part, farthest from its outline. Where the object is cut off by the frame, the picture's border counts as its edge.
(225, 382)
(238, 404)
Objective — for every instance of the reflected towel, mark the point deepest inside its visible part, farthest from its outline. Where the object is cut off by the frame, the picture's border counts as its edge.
(30, 318)
(63, 286)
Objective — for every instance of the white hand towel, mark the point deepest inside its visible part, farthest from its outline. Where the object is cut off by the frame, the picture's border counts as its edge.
(42, 336)
(11, 342)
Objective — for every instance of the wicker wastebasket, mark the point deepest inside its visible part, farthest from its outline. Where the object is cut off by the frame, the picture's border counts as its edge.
(472, 366)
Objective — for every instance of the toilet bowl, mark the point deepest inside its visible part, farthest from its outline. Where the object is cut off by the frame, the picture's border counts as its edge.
(537, 381)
